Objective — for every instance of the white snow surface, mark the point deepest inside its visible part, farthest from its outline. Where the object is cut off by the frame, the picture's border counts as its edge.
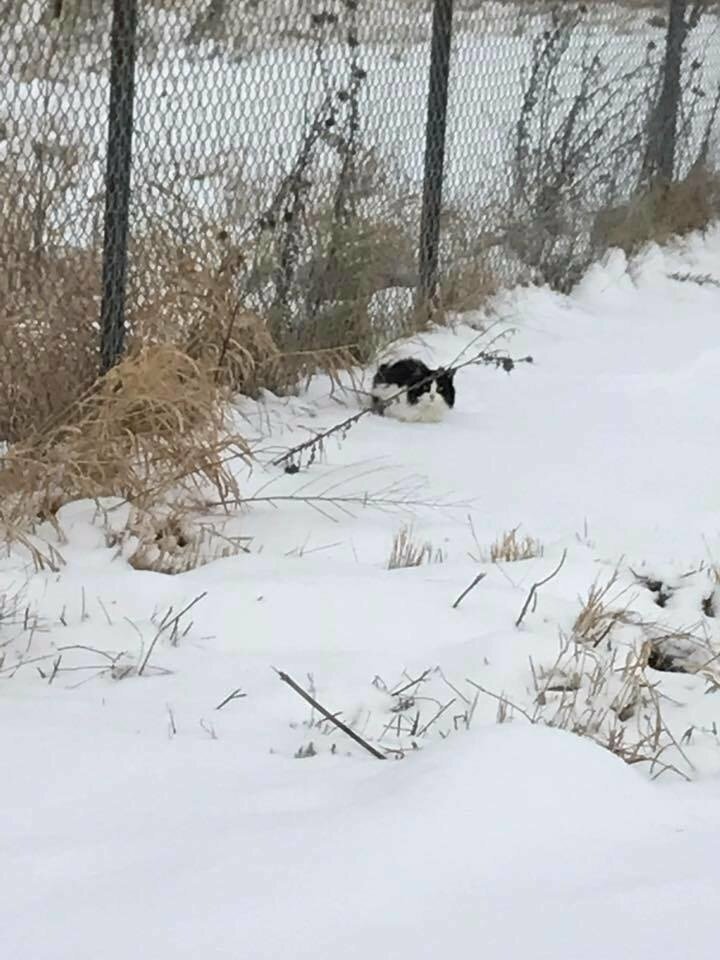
(139, 821)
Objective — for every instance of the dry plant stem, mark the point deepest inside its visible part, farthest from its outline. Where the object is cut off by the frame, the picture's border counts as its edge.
(502, 700)
(56, 667)
(458, 693)
(329, 716)
(340, 503)
(172, 726)
(165, 625)
(413, 683)
(82, 646)
(490, 358)
(466, 591)
(235, 695)
(437, 716)
(535, 587)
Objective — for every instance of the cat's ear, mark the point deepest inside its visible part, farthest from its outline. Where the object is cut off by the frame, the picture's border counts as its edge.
(447, 374)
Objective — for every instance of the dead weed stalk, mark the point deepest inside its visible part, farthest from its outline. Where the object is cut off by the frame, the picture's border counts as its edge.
(407, 552)
(510, 548)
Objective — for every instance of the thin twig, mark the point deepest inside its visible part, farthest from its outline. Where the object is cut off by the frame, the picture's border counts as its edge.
(437, 716)
(171, 716)
(56, 667)
(535, 587)
(165, 625)
(452, 686)
(329, 716)
(235, 695)
(466, 591)
(501, 699)
(412, 683)
(81, 646)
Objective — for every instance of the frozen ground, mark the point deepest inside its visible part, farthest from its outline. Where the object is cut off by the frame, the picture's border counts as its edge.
(138, 820)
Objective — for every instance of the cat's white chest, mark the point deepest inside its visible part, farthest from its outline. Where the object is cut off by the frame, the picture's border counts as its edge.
(430, 406)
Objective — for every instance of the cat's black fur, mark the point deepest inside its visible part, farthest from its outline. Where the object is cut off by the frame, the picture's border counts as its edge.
(417, 377)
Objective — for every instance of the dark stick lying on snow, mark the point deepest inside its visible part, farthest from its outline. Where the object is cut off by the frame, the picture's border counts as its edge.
(536, 586)
(329, 716)
(484, 357)
(466, 591)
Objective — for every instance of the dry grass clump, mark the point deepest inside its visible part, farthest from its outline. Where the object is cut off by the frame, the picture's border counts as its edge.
(172, 541)
(156, 423)
(467, 285)
(192, 286)
(49, 301)
(48, 338)
(205, 295)
(407, 552)
(661, 213)
(349, 265)
(598, 615)
(185, 294)
(611, 700)
(604, 683)
(467, 277)
(510, 548)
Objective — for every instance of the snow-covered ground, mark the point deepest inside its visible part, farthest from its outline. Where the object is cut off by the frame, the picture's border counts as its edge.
(139, 820)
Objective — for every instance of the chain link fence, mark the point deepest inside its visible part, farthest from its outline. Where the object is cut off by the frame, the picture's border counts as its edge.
(301, 178)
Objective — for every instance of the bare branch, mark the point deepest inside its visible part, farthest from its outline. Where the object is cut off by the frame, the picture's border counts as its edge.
(165, 625)
(329, 716)
(540, 583)
(466, 591)
(235, 695)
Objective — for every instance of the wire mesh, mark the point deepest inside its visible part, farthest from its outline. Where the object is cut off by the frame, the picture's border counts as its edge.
(279, 154)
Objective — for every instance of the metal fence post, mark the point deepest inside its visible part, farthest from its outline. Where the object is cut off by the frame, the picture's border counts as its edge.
(434, 150)
(117, 181)
(663, 149)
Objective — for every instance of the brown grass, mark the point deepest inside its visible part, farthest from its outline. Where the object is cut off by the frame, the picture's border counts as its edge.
(661, 213)
(598, 614)
(510, 548)
(467, 280)
(467, 286)
(156, 428)
(49, 302)
(407, 552)
(611, 700)
(155, 425)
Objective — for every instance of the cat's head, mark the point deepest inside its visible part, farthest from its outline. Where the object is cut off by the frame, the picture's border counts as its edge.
(445, 385)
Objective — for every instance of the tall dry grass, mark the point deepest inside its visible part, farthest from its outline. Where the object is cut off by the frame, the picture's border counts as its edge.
(155, 426)
(661, 212)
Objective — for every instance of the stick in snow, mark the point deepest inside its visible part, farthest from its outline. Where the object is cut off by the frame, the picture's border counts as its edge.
(329, 716)
(235, 695)
(466, 591)
(540, 583)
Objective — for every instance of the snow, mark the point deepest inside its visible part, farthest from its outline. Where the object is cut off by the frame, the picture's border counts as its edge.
(141, 820)
(446, 854)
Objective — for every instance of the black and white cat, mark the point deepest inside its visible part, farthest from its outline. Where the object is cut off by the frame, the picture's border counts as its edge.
(426, 396)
